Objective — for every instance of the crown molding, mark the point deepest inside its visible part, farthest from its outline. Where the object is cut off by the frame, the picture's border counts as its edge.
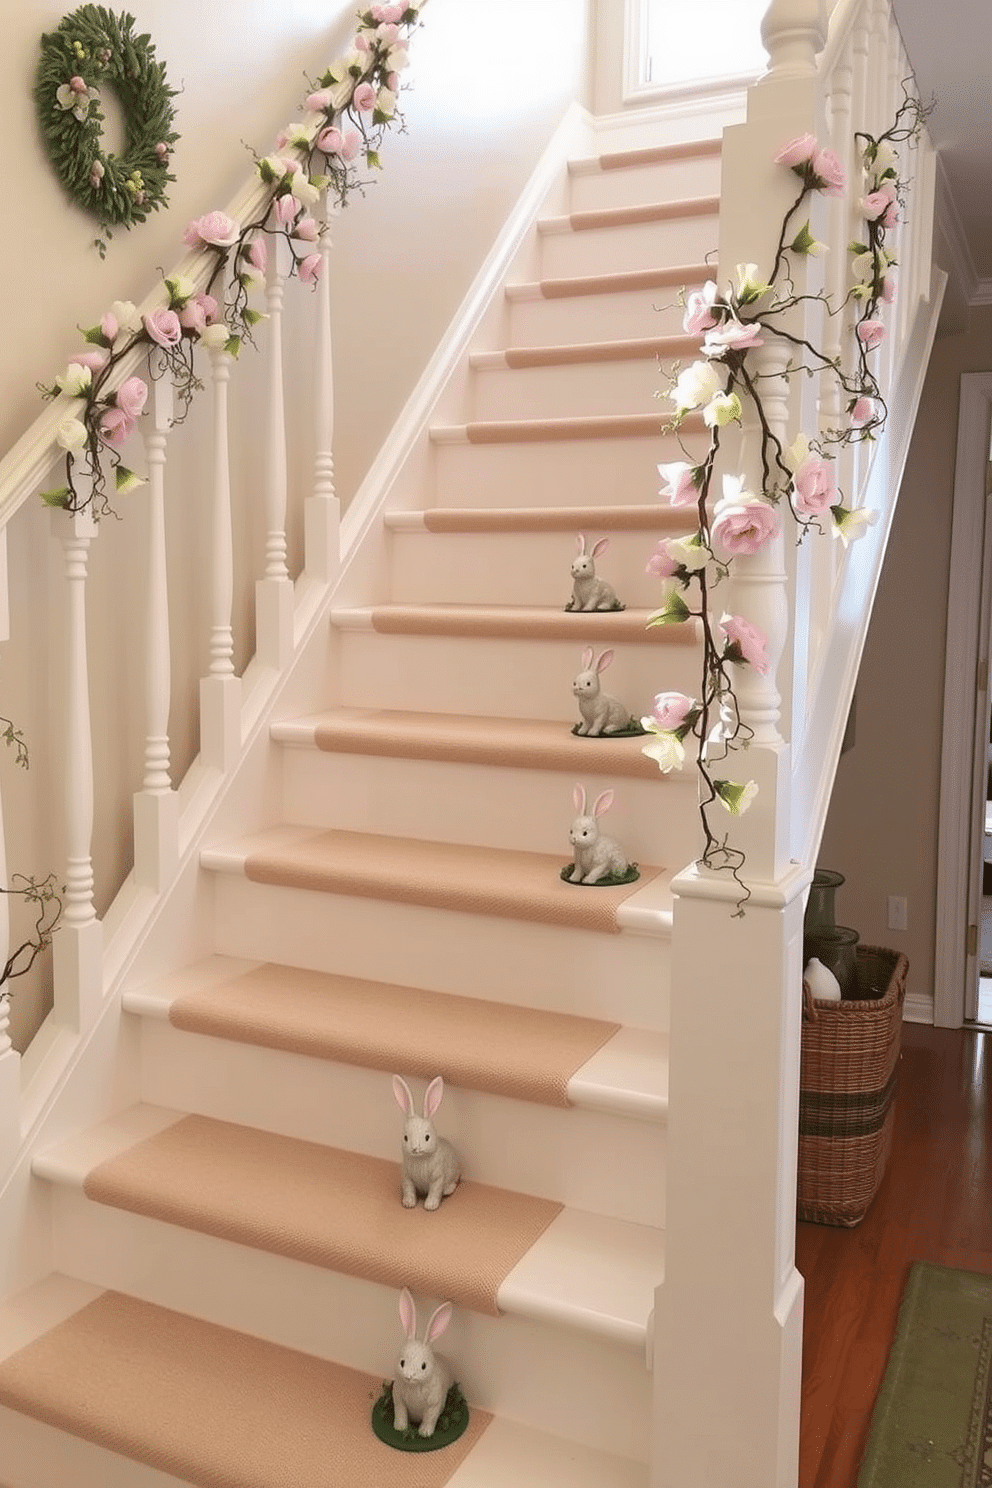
(962, 265)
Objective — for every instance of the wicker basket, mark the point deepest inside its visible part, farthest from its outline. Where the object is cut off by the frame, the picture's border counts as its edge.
(847, 1087)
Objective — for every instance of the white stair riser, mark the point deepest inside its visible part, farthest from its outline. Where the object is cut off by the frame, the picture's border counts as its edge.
(621, 977)
(565, 1155)
(530, 810)
(506, 678)
(637, 245)
(529, 568)
(665, 180)
(564, 1382)
(39, 1456)
(570, 320)
(559, 472)
(570, 390)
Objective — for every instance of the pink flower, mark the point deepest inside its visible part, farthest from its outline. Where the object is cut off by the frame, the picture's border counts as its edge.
(162, 151)
(77, 84)
(661, 564)
(890, 217)
(889, 288)
(115, 426)
(198, 313)
(388, 14)
(670, 711)
(110, 326)
(699, 315)
(163, 327)
(798, 151)
(876, 202)
(307, 230)
(732, 335)
(747, 639)
(331, 141)
(131, 397)
(814, 485)
(862, 411)
(387, 34)
(870, 333)
(309, 268)
(258, 254)
(364, 98)
(829, 172)
(318, 102)
(680, 483)
(286, 210)
(92, 359)
(352, 144)
(744, 525)
(214, 228)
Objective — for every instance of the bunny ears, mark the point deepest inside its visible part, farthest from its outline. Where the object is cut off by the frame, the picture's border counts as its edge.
(404, 1096)
(580, 545)
(604, 660)
(440, 1318)
(602, 803)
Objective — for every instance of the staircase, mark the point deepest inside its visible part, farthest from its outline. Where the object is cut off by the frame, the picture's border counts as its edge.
(225, 1243)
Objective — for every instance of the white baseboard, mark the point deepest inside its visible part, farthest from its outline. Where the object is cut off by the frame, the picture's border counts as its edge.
(917, 1008)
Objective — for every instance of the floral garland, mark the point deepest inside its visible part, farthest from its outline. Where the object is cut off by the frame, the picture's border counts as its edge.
(45, 894)
(92, 49)
(799, 476)
(345, 118)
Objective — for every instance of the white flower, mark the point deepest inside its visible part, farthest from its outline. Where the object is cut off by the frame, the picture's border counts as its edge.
(341, 93)
(385, 102)
(75, 380)
(71, 434)
(126, 315)
(297, 135)
(696, 385)
(724, 408)
(665, 748)
(734, 796)
(397, 58)
(794, 454)
(749, 286)
(180, 288)
(215, 336)
(304, 190)
(79, 101)
(688, 552)
(850, 525)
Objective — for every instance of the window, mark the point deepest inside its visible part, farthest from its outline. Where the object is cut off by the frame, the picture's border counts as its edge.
(677, 44)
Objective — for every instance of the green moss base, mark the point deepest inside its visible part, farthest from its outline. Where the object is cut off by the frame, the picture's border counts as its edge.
(612, 609)
(451, 1424)
(609, 882)
(633, 730)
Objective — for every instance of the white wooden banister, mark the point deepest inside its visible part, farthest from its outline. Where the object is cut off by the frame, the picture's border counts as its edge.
(323, 510)
(274, 593)
(220, 690)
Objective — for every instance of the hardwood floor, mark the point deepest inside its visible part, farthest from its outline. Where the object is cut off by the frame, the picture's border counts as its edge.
(934, 1204)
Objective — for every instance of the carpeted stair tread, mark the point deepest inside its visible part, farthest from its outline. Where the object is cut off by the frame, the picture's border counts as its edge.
(539, 431)
(653, 517)
(647, 155)
(493, 881)
(515, 622)
(519, 1052)
(214, 1407)
(323, 1206)
(626, 281)
(644, 212)
(514, 743)
(582, 352)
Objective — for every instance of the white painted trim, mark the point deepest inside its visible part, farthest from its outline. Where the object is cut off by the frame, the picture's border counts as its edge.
(917, 1008)
(964, 622)
(948, 223)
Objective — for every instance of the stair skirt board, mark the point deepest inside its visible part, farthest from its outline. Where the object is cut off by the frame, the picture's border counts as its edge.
(442, 875)
(217, 1408)
(521, 1053)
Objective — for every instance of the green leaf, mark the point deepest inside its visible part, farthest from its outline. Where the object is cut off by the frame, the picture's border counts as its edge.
(126, 480)
(95, 337)
(252, 317)
(60, 497)
(675, 612)
(233, 347)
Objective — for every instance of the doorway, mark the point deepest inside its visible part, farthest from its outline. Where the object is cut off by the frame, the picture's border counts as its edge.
(965, 811)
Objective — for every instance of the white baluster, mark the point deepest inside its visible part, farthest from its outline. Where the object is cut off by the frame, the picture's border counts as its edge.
(274, 593)
(156, 818)
(78, 945)
(794, 33)
(323, 515)
(220, 691)
(10, 1061)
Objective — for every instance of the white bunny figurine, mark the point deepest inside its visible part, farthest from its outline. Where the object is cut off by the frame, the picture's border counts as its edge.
(589, 592)
(601, 713)
(595, 856)
(430, 1164)
(423, 1378)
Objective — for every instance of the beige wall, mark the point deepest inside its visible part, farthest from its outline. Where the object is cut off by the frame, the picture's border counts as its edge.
(487, 92)
(882, 826)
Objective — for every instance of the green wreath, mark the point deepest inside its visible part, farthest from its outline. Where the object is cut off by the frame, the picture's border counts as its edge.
(93, 48)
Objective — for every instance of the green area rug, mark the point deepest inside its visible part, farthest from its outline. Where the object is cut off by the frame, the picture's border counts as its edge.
(932, 1424)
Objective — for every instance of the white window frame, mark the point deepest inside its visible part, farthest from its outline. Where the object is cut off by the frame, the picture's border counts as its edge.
(638, 88)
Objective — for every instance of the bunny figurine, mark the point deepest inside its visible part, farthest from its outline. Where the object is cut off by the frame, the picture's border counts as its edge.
(601, 713)
(595, 856)
(589, 592)
(430, 1164)
(423, 1378)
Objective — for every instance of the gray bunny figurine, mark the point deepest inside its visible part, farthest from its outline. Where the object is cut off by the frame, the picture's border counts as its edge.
(423, 1378)
(588, 591)
(430, 1163)
(601, 713)
(595, 855)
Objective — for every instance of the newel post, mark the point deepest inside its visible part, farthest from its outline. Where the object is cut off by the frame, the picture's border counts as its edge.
(727, 1338)
(77, 948)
